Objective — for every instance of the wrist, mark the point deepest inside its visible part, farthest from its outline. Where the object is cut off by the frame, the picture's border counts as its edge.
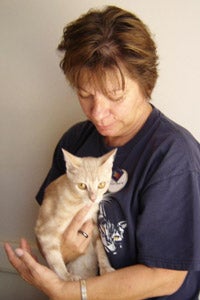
(57, 290)
(66, 290)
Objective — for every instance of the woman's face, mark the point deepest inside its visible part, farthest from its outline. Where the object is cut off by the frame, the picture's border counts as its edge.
(117, 114)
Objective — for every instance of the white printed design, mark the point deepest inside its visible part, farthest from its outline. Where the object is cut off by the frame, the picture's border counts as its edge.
(118, 181)
(112, 235)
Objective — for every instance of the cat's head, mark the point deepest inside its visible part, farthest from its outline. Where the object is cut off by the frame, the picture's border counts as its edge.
(89, 176)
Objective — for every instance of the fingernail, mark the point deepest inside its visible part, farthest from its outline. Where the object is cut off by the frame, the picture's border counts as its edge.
(19, 252)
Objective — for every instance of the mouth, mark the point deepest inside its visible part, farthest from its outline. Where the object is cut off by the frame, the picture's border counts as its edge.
(103, 130)
(104, 127)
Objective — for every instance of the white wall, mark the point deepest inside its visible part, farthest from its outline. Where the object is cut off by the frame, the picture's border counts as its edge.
(37, 106)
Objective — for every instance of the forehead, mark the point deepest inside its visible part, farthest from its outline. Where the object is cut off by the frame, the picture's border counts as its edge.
(105, 80)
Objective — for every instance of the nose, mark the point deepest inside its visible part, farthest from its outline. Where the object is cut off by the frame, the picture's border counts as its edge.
(99, 108)
(92, 196)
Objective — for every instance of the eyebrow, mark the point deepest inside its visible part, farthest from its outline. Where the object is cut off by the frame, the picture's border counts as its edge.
(108, 91)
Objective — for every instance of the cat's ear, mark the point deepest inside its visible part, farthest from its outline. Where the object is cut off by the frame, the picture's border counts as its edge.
(109, 157)
(71, 160)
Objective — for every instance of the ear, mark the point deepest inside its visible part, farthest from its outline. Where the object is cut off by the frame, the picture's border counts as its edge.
(109, 157)
(71, 160)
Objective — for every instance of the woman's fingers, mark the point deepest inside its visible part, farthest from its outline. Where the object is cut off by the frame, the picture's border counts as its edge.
(79, 219)
(13, 259)
(27, 259)
(87, 227)
(37, 274)
(32, 271)
(71, 233)
(16, 262)
(74, 243)
(25, 245)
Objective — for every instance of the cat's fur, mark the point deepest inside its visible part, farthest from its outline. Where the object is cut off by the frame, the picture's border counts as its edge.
(63, 198)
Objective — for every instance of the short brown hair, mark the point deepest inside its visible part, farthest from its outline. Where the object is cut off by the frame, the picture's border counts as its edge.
(105, 39)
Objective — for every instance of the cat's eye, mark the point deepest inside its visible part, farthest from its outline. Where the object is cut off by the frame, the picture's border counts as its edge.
(82, 186)
(101, 185)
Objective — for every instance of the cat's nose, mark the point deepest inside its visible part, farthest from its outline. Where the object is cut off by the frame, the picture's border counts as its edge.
(92, 197)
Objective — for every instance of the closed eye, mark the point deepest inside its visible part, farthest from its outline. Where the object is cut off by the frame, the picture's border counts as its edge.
(84, 94)
(88, 97)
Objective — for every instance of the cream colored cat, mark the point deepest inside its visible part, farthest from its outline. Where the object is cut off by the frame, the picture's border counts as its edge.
(86, 181)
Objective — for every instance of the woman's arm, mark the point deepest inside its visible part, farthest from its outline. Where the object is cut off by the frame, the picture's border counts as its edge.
(136, 282)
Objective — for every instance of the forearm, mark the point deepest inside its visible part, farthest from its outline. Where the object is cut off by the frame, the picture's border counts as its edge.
(137, 282)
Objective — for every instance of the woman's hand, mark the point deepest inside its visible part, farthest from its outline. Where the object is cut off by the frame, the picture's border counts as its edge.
(74, 243)
(33, 272)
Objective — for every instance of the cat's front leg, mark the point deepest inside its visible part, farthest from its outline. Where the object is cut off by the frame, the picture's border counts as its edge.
(51, 249)
(104, 264)
(56, 263)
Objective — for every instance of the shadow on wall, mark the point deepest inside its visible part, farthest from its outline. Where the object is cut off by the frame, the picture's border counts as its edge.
(13, 287)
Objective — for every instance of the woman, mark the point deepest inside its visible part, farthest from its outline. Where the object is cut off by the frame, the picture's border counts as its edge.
(111, 61)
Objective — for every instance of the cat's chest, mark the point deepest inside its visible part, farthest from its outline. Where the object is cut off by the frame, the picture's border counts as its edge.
(65, 213)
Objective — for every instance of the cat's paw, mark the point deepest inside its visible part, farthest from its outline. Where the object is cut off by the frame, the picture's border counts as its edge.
(106, 270)
(72, 277)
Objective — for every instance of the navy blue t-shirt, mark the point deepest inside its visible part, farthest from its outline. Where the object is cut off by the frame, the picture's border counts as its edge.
(153, 213)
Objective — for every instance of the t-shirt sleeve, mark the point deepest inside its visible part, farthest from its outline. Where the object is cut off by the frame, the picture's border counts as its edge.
(168, 232)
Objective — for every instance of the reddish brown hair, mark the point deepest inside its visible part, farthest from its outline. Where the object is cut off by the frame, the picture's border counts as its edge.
(111, 38)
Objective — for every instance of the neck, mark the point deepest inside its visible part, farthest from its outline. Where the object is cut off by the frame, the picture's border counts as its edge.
(121, 140)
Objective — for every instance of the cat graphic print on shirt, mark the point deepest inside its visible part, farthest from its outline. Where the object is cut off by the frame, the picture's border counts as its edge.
(112, 235)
